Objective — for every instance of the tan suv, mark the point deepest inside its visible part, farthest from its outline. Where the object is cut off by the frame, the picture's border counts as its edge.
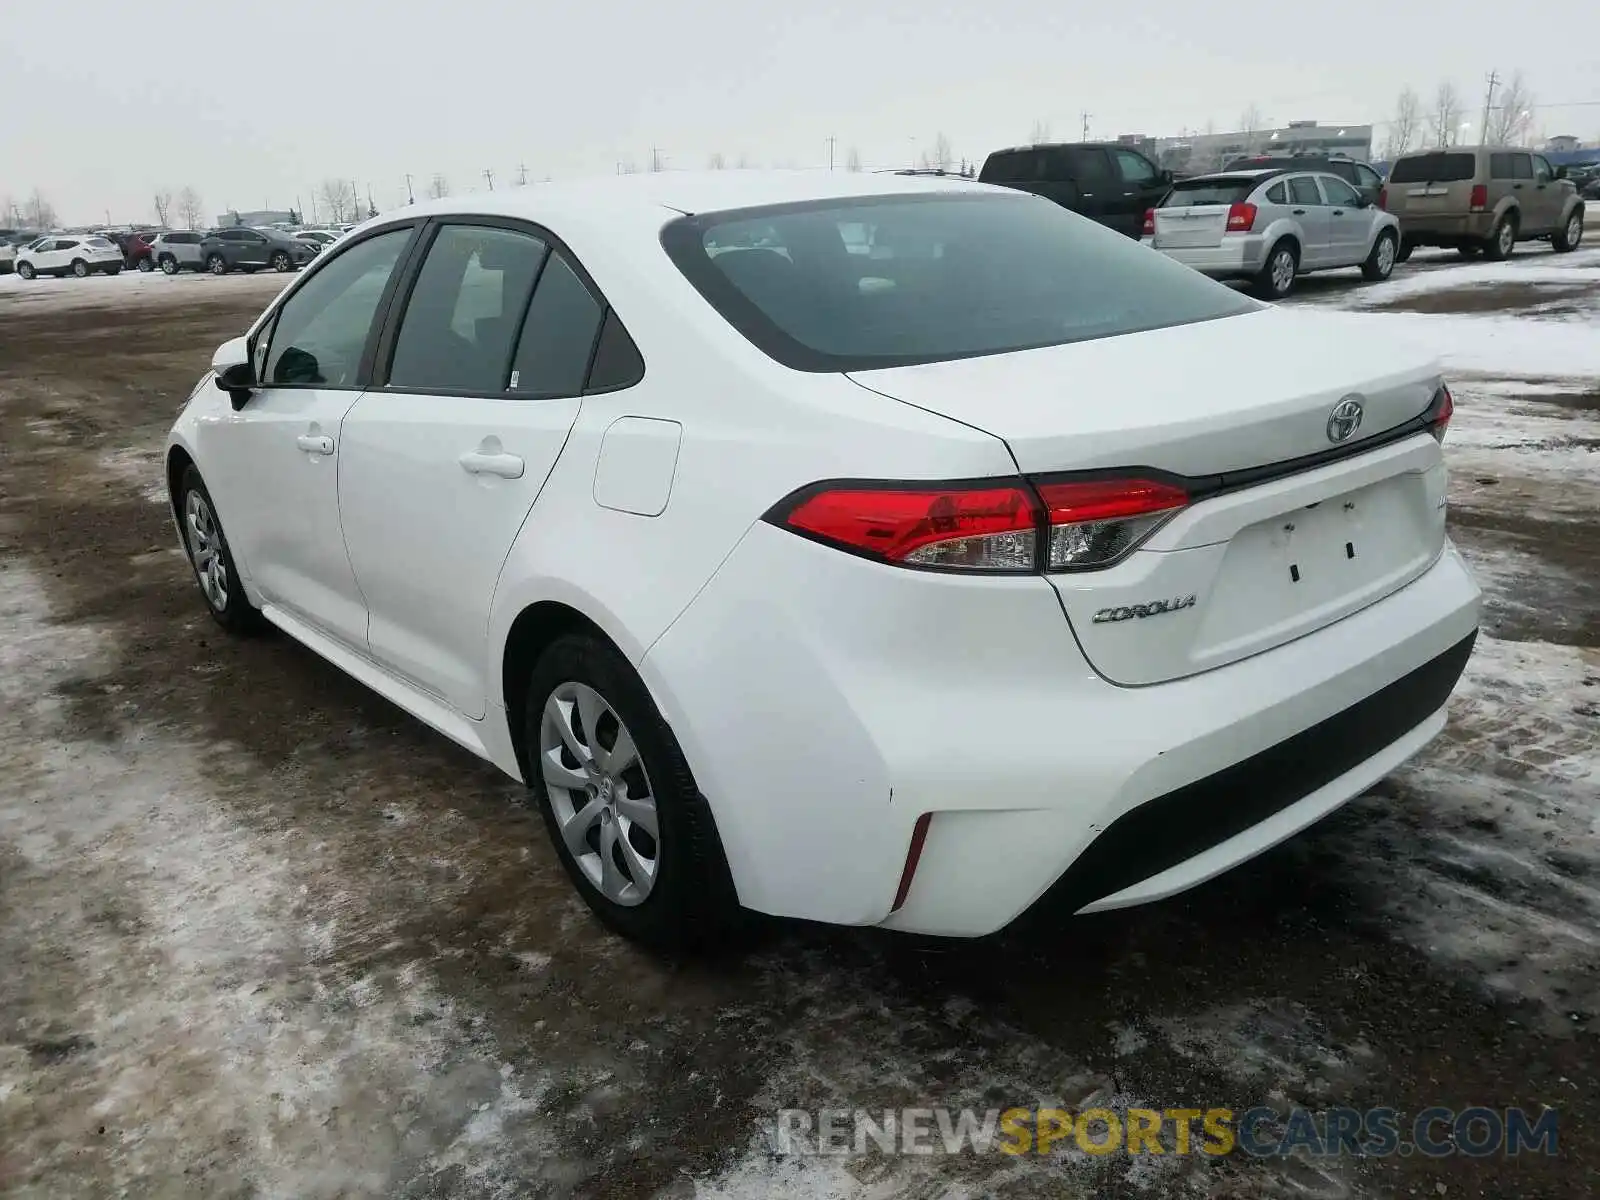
(1485, 198)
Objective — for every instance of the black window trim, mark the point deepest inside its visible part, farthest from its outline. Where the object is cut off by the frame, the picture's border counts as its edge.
(383, 348)
(267, 322)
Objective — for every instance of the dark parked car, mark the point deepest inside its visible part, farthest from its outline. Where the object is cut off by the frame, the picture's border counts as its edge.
(1364, 177)
(247, 249)
(1104, 181)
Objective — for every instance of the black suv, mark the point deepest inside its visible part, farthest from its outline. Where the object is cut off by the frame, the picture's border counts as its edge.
(1364, 177)
(249, 249)
(1107, 182)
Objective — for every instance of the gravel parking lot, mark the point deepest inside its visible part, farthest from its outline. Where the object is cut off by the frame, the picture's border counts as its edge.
(262, 935)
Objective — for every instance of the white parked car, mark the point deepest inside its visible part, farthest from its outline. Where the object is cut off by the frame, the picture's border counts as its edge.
(320, 238)
(1268, 226)
(77, 254)
(891, 590)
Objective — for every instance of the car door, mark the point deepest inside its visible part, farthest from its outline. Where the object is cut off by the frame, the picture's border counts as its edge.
(272, 465)
(1141, 189)
(1310, 212)
(443, 462)
(1548, 194)
(1098, 186)
(61, 253)
(1349, 222)
(249, 247)
(40, 254)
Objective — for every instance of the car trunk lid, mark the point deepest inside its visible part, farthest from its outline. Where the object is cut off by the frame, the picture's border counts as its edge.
(1277, 540)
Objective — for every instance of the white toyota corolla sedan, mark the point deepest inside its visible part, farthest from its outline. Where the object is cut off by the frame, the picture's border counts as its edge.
(1001, 559)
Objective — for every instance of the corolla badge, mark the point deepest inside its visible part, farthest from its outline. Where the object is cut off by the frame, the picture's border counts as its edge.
(1345, 418)
(1155, 608)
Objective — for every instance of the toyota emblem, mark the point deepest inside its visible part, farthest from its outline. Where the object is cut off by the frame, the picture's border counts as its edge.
(1345, 419)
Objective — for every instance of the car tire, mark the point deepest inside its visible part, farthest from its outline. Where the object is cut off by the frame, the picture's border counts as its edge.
(1275, 280)
(113, 269)
(80, 268)
(669, 891)
(1570, 235)
(145, 266)
(211, 558)
(281, 262)
(25, 270)
(1380, 263)
(216, 264)
(169, 265)
(1502, 239)
(1404, 253)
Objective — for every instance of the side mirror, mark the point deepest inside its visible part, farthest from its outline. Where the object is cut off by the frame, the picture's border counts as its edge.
(234, 374)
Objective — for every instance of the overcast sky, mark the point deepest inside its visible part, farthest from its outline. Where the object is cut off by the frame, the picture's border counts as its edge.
(103, 102)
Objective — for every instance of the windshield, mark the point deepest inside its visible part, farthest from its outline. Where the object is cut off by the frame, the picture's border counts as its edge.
(1433, 168)
(881, 281)
(99, 243)
(1188, 193)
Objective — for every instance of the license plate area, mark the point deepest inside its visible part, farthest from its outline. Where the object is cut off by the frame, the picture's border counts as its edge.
(1311, 565)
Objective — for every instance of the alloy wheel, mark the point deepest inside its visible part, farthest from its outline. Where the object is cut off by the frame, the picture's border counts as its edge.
(1574, 231)
(205, 550)
(1385, 256)
(1282, 271)
(1508, 237)
(600, 794)
(215, 264)
(80, 269)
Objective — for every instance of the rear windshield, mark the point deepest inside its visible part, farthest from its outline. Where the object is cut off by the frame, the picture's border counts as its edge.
(1434, 168)
(1188, 193)
(883, 281)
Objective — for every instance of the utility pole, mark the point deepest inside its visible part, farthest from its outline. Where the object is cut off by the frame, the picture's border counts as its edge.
(831, 140)
(655, 158)
(522, 174)
(411, 197)
(489, 175)
(1086, 117)
(1488, 103)
(355, 202)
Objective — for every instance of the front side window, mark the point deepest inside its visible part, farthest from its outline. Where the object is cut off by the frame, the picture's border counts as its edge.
(1339, 193)
(1005, 273)
(322, 328)
(1135, 168)
(461, 322)
(1541, 169)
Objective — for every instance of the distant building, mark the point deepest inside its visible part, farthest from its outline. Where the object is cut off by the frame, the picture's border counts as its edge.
(1563, 143)
(259, 217)
(1209, 151)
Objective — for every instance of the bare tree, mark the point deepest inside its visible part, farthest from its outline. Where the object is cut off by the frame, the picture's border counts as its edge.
(717, 162)
(438, 187)
(1040, 132)
(943, 156)
(189, 207)
(10, 210)
(334, 196)
(628, 167)
(1445, 120)
(39, 213)
(1511, 119)
(1405, 126)
(163, 207)
(744, 163)
(852, 160)
(1250, 121)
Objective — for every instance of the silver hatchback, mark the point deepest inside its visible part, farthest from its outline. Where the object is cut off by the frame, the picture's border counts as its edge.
(1270, 226)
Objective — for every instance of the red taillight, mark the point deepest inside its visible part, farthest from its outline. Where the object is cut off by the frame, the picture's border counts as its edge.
(1149, 222)
(1480, 197)
(1444, 407)
(1014, 527)
(988, 527)
(1241, 218)
(1093, 523)
(1383, 197)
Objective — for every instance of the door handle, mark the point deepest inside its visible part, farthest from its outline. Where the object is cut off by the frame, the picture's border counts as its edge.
(1299, 212)
(1516, 187)
(312, 444)
(1338, 212)
(507, 466)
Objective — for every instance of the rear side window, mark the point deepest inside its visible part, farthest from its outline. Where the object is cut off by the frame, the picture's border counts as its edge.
(1440, 167)
(1303, 190)
(557, 336)
(1277, 194)
(617, 362)
(1190, 193)
(1345, 171)
(994, 273)
(461, 321)
(1011, 166)
(1500, 167)
(1089, 167)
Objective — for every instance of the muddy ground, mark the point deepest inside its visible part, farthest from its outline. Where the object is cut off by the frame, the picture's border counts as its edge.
(262, 935)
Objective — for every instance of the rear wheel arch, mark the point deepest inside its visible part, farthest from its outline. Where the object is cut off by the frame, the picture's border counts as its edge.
(535, 629)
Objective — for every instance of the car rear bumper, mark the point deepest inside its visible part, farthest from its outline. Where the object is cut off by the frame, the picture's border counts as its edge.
(1239, 254)
(1423, 230)
(826, 704)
